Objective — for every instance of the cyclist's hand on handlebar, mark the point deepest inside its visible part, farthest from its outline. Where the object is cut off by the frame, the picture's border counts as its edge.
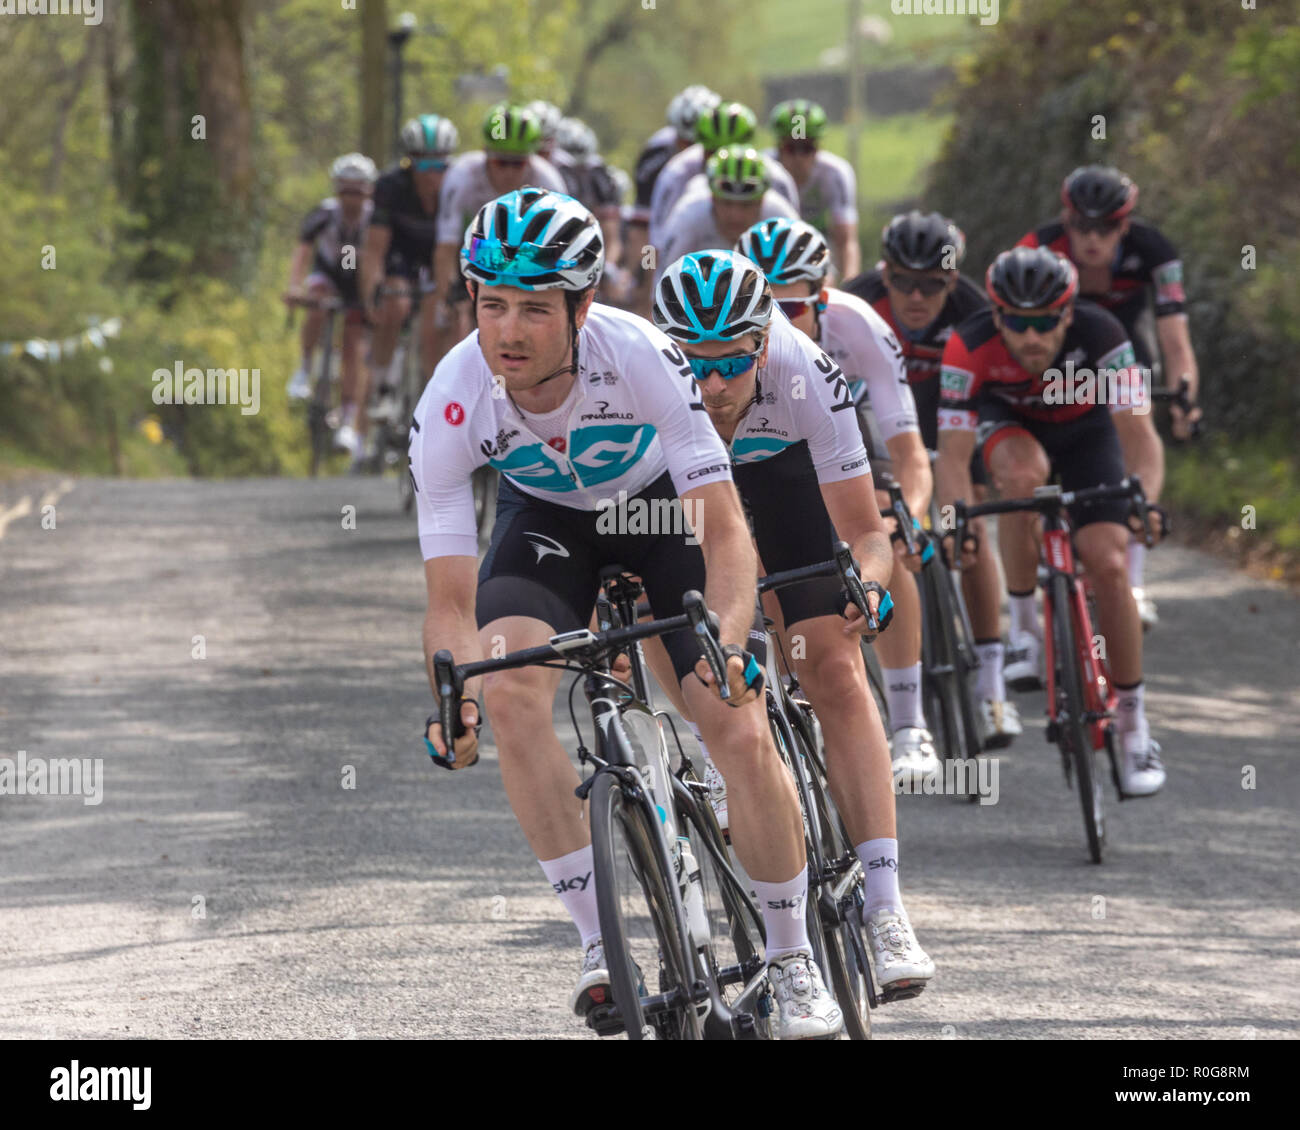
(1157, 521)
(292, 297)
(744, 676)
(881, 605)
(1181, 423)
(621, 668)
(465, 747)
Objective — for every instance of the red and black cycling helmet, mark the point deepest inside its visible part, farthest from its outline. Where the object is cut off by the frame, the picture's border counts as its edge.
(1031, 278)
(1099, 192)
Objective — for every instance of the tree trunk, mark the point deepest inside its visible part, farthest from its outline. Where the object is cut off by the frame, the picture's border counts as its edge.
(376, 131)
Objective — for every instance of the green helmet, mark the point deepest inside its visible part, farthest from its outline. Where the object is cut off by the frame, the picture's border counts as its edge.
(511, 129)
(798, 119)
(738, 174)
(727, 124)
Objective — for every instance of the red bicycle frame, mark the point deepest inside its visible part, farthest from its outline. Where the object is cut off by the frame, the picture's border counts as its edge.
(1098, 691)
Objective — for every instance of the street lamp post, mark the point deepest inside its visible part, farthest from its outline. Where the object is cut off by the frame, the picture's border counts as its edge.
(396, 43)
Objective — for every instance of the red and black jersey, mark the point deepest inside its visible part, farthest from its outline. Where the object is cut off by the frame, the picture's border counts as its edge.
(978, 367)
(1143, 258)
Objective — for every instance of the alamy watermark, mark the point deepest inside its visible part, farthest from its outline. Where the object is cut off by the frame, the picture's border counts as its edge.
(959, 777)
(1127, 387)
(91, 11)
(179, 385)
(58, 776)
(623, 515)
(987, 10)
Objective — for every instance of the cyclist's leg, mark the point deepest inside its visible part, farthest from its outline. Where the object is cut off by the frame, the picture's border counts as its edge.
(1018, 465)
(393, 310)
(899, 649)
(317, 285)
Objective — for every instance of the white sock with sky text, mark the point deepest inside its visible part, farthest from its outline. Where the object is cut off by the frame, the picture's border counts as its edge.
(572, 877)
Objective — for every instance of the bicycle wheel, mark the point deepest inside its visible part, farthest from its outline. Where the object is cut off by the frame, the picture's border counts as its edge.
(840, 896)
(640, 919)
(1072, 732)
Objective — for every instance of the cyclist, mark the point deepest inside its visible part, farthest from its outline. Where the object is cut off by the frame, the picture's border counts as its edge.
(784, 411)
(590, 182)
(531, 260)
(509, 159)
(828, 188)
(729, 125)
(548, 116)
(328, 242)
(399, 247)
(738, 195)
(920, 293)
(796, 259)
(1121, 261)
(1002, 371)
(662, 146)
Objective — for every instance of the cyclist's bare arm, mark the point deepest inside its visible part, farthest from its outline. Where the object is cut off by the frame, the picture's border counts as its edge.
(446, 270)
(449, 623)
(855, 514)
(911, 464)
(844, 249)
(1176, 348)
(374, 249)
(298, 268)
(1144, 454)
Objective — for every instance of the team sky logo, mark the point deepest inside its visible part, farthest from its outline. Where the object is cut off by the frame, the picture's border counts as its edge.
(596, 454)
(605, 413)
(834, 377)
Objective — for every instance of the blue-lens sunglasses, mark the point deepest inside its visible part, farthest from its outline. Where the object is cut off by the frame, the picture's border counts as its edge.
(727, 367)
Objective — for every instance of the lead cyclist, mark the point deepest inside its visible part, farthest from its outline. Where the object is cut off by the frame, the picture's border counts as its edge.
(520, 393)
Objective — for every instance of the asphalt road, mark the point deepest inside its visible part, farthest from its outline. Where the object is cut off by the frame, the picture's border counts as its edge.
(230, 884)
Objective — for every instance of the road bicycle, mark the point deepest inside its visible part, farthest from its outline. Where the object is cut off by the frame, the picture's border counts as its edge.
(669, 901)
(322, 415)
(1080, 694)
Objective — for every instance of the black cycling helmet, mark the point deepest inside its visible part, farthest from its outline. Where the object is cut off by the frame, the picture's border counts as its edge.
(920, 241)
(1031, 278)
(1100, 192)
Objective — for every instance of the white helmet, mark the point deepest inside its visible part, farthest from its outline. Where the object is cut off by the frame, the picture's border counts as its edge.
(786, 250)
(712, 296)
(687, 106)
(576, 138)
(548, 114)
(622, 181)
(534, 240)
(354, 167)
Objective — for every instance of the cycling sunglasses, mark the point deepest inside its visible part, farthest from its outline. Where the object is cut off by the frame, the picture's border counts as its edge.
(1086, 226)
(727, 367)
(794, 308)
(431, 164)
(514, 162)
(799, 146)
(907, 284)
(1018, 323)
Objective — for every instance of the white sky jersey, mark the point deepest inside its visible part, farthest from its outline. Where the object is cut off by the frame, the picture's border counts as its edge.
(679, 177)
(638, 414)
(691, 227)
(830, 194)
(860, 341)
(466, 188)
(801, 394)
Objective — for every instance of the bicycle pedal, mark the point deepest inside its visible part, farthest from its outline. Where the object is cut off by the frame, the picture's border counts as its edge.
(604, 1020)
(1026, 683)
(902, 991)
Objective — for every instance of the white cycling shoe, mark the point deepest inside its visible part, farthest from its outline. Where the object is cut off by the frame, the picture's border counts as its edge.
(913, 755)
(805, 1009)
(346, 439)
(1021, 671)
(1000, 722)
(1146, 609)
(386, 407)
(1144, 773)
(902, 967)
(300, 384)
(593, 984)
(717, 794)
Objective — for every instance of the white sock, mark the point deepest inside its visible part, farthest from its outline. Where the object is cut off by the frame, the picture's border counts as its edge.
(988, 678)
(349, 414)
(1130, 712)
(571, 877)
(1137, 560)
(1024, 613)
(695, 732)
(880, 862)
(903, 696)
(783, 906)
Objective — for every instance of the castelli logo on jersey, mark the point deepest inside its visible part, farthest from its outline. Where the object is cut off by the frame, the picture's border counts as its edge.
(559, 443)
(454, 414)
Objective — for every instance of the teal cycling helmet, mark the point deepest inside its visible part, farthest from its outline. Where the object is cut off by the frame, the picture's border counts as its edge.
(429, 134)
(534, 240)
(712, 296)
(787, 251)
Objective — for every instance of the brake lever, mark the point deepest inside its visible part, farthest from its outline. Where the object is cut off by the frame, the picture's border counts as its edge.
(852, 582)
(706, 626)
(450, 685)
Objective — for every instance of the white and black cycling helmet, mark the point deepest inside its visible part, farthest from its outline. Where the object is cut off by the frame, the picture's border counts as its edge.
(429, 134)
(576, 138)
(354, 168)
(548, 116)
(712, 296)
(534, 240)
(786, 250)
(687, 106)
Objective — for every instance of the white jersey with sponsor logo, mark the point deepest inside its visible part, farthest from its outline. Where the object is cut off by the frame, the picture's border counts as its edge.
(830, 194)
(801, 394)
(637, 414)
(693, 227)
(466, 188)
(862, 344)
(678, 177)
